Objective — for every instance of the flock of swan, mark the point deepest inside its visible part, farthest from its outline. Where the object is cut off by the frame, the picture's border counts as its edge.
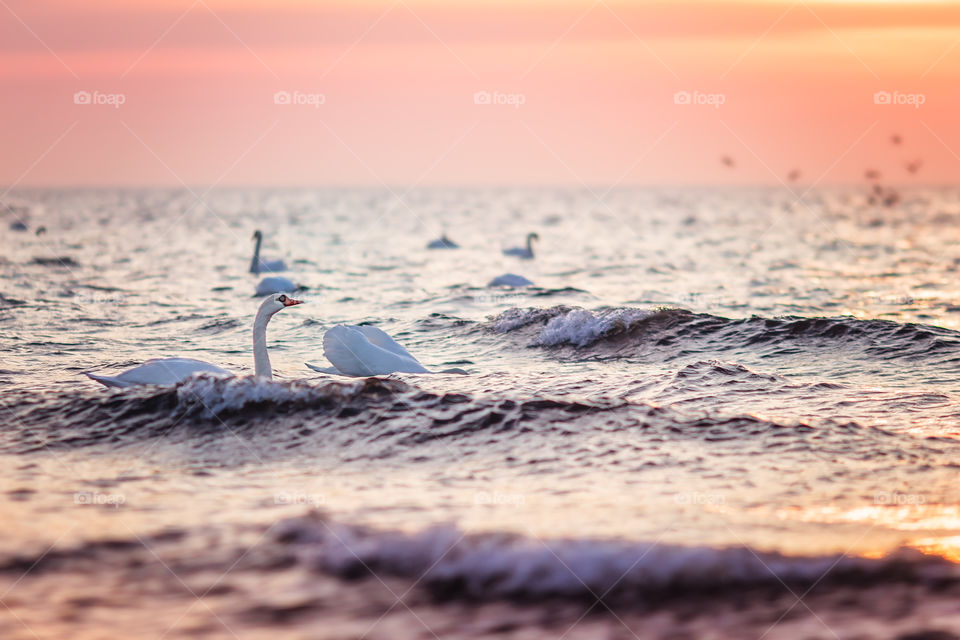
(353, 350)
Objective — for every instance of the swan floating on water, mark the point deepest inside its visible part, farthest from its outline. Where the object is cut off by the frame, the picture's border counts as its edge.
(275, 284)
(257, 265)
(509, 280)
(174, 370)
(523, 252)
(443, 242)
(362, 350)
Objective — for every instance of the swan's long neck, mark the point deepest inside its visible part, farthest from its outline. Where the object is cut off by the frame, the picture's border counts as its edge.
(261, 359)
(530, 245)
(255, 265)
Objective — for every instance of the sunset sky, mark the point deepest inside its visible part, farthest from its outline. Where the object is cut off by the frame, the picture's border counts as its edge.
(588, 91)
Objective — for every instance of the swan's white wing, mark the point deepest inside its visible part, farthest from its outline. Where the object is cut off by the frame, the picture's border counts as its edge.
(519, 252)
(275, 284)
(330, 370)
(383, 340)
(353, 354)
(161, 371)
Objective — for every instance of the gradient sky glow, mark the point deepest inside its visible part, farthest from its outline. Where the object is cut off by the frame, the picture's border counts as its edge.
(597, 79)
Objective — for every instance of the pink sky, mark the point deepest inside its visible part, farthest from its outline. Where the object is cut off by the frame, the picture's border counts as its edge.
(597, 80)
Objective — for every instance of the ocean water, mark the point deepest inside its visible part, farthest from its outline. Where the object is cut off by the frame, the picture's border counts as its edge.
(704, 387)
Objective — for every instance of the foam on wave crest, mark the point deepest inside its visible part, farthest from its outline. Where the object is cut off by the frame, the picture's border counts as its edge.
(78, 418)
(374, 419)
(214, 396)
(580, 327)
(503, 565)
(620, 330)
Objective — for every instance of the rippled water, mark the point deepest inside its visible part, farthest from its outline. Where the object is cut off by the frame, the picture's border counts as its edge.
(704, 386)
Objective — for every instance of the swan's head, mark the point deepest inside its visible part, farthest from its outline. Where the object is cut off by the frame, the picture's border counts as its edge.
(41, 230)
(277, 302)
(532, 236)
(257, 235)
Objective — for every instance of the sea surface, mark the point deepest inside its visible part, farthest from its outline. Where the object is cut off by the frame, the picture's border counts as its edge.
(704, 388)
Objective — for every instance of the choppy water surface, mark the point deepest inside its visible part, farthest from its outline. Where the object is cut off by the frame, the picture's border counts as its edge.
(704, 387)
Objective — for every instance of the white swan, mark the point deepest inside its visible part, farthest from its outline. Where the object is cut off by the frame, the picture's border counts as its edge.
(257, 265)
(443, 242)
(523, 252)
(361, 351)
(510, 280)
(159, 371)
(174, 370)
(275, 284)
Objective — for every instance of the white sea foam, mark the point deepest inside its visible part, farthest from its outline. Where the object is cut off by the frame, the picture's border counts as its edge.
(580, 327)
(515, 318)
(504, 565)
(213, 396)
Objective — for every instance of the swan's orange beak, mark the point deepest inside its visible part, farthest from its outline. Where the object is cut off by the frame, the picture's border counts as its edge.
(289, 302)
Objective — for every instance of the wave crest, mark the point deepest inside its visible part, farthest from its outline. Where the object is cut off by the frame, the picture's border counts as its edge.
(504, 565)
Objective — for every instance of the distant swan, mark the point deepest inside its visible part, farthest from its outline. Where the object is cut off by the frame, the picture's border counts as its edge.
(443, 242)
(362, 350)
(275, 284)
(509, 280)
(257, 265)
(174, 370)
(523, 252)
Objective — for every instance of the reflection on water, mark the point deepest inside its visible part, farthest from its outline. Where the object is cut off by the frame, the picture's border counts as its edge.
(703, 370)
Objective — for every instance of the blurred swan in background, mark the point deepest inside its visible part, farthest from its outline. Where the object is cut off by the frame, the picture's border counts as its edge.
(443, 242)
(362, 350)
(174, 370)
(275, 284)
(257, 265)
(523, 252)
(509, 280)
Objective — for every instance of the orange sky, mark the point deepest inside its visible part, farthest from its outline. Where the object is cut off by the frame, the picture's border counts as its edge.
(587, 89)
